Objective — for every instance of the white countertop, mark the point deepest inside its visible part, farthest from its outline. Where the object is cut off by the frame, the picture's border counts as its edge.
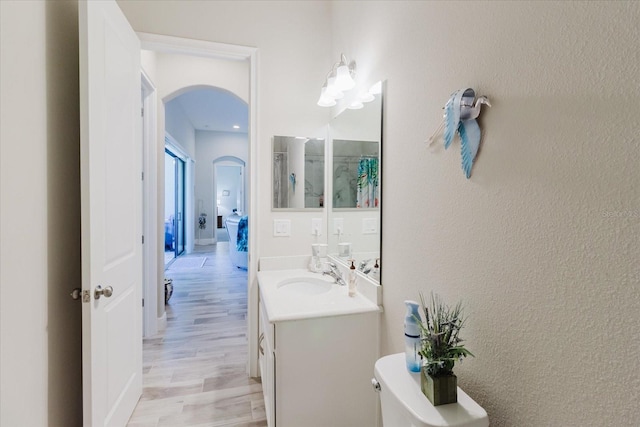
(282, 305)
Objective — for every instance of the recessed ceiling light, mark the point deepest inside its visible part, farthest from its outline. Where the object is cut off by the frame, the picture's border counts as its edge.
(236, 127)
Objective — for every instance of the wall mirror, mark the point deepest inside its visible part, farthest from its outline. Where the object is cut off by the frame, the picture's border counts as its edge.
(354, 225)
(298, 173)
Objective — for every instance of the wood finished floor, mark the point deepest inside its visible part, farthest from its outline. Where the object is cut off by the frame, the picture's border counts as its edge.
(194, 374)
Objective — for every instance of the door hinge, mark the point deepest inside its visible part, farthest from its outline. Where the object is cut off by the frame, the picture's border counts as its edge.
(143, 239)
(143, 302)
(142, 175)
(142, 112)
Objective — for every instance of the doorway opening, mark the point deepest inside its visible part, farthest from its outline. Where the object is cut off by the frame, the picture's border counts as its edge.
(194, 49)
(229, 187)
(204, 343)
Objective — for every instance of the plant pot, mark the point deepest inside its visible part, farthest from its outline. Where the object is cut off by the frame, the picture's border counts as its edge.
(439, 390)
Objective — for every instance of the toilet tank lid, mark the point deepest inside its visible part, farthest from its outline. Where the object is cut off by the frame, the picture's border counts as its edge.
(392, 374)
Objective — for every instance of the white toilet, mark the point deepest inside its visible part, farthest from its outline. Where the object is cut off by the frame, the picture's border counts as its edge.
(403, 403)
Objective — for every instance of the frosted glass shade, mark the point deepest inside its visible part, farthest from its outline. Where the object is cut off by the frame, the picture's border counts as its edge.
(332, 89)
(366, 97)
(325, 100)
(343, 78)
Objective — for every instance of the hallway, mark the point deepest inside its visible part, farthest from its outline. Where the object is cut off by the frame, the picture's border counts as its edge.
(195, 372)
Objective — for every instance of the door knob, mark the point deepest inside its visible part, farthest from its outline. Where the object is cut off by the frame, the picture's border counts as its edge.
(107, 292)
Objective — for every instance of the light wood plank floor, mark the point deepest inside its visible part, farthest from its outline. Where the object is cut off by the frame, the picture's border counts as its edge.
(195, 372)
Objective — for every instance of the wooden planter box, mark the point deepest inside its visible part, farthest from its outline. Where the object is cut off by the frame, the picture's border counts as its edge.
(439, 390)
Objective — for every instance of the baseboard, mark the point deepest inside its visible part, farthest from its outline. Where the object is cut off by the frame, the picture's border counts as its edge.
(162, 322)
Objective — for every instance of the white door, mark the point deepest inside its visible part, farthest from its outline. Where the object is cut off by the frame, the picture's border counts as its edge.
(111, 214)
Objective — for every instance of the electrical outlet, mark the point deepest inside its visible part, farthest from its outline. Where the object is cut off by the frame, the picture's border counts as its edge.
(281, 227)
(369, 226)
(338, 225)
(316, 226)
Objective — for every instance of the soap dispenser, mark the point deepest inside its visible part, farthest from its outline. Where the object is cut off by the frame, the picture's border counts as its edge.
(412, 336)
(352, 279)
(375, 273)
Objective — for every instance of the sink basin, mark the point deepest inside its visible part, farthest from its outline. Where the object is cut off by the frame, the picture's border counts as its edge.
(305, 285)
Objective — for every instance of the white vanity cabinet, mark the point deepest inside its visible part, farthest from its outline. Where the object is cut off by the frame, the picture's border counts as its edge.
(316, 371)
(267, 364)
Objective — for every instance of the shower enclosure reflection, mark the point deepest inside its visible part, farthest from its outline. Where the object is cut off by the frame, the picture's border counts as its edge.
(355, 174)
(298, 172)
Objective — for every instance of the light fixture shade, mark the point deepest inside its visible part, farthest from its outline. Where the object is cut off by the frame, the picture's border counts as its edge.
(340, 79)
(376, 89)
(325, 100)
(366, 97)
(332, 88)
(344, 81)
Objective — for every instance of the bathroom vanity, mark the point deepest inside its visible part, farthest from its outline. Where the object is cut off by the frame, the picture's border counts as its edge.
(317, 349)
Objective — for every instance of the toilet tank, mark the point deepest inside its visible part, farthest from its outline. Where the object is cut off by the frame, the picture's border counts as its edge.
(403, 403)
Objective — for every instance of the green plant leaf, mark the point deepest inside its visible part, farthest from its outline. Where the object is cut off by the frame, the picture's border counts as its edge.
(440, 334)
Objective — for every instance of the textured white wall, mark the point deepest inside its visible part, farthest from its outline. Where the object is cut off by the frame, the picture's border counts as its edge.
(542, 242)
(40, 352)
(293, 61)
(148, 63)
(177, 124)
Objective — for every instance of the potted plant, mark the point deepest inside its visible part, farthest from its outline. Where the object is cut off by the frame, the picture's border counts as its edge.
(441, 348)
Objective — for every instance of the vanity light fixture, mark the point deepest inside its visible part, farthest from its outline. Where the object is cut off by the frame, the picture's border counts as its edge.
(366, 97)
(236, 126)
(332, 88)
(344, 72)
(339, 79)
(363, 98)
(325, 99)
(356, 105)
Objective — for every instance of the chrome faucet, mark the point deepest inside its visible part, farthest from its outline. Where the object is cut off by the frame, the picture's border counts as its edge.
(365, 266)
(335, 273)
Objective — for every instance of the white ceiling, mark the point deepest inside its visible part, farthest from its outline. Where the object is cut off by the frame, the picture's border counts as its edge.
(214, 110)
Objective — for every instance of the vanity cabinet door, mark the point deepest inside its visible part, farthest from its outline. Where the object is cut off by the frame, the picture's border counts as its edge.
(267, 364)
(323, 371)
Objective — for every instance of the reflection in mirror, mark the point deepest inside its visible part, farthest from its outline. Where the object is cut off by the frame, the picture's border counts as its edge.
(298, 172)
(356, 164)
(355, 174)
